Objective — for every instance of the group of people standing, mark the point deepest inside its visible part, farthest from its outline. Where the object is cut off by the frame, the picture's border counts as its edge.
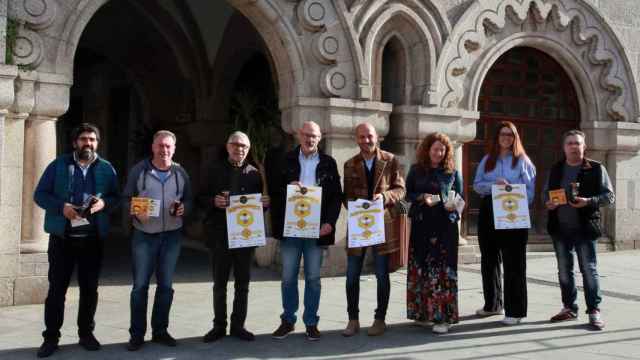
(78, 190)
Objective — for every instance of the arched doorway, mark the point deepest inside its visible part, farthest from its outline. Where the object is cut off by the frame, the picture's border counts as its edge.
(392, 88)
(140, 67)
(529, 88)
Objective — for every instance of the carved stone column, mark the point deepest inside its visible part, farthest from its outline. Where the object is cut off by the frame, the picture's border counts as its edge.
(9, 222)
(51, 100)
(616, 145)
(39, 151)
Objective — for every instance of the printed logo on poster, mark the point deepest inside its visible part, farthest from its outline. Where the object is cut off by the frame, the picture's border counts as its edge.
(365, 223)
(302, 213)
(245, 221)
(510, 206)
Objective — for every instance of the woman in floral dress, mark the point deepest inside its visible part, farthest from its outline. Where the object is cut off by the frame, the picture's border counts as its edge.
(432, 277)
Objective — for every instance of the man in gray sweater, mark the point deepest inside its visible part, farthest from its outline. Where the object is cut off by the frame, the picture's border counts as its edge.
(156, 240)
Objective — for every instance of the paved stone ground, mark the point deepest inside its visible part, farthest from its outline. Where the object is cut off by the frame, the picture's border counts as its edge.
(473, 338)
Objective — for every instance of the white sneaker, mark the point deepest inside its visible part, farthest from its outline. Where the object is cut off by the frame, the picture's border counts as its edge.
(422, 323)
(508, 320)
(441, 328)
(483, 312)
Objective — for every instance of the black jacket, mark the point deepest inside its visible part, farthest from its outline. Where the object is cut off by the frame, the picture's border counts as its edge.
(285, 169)
(218, 180)
(590, 178)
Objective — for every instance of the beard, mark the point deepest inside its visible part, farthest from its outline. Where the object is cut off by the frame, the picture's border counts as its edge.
(86, 153)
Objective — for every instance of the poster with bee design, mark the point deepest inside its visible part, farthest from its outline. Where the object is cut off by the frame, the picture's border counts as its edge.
(302, 213)
(510, 206)
(245, 221)
(366, 223)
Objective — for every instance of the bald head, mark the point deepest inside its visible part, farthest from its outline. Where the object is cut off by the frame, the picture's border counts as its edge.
(367, 138)
(365, 127)
(309, 136)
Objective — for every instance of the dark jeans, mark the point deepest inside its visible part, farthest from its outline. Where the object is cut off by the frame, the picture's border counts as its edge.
(354, 269)
(222, 260)
(64, 254)
(153, 253)
(565, 246)
(506, 247)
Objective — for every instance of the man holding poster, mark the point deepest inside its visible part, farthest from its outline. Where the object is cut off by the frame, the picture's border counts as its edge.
(233, 191)
(373, 174)
(307, 168)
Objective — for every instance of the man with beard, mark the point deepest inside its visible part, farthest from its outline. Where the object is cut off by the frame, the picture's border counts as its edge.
(157, 238)
(575, 225)
(306, 165)
(373, 174)
(76, 191)
(231, 176)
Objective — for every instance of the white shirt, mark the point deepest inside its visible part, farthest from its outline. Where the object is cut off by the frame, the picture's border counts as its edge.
(308, 167)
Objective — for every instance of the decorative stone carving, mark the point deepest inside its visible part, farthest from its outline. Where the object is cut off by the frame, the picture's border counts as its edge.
(33, 16)
(333, 81)
(471, 46)
(320, 16)
(312, 14)
(487, 27)
(37, 14)
(28, 48)
(325, 48)
(421, 23)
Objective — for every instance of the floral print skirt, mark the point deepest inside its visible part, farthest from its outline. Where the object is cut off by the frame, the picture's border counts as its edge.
(432, 289)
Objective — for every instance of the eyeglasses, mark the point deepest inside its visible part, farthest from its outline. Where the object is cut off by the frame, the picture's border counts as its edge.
(239, 146)
(311, 136)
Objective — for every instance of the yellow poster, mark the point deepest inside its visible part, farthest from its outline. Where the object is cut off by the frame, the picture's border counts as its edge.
(510, 206)
(302, 214)
(145, 205)
(365, 223)
(245, 221)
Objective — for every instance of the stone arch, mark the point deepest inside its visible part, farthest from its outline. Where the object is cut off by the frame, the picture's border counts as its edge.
(568, 60)
(420, 24)
(394, 46)
(279, 36)
(420, 53)
(569, 30)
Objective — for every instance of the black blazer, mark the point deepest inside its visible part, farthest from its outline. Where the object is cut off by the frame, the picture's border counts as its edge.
(284, 169)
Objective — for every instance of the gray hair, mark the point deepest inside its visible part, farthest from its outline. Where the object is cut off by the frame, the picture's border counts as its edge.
(238, 135)
(573, 132)
(164, 134)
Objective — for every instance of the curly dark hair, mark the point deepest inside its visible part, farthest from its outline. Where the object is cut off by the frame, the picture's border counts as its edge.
(422, 153)
(84, 128)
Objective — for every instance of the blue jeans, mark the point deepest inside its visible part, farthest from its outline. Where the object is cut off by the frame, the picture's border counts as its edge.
(565, 246)
(153, 253)
(291, 250)
(354, 268)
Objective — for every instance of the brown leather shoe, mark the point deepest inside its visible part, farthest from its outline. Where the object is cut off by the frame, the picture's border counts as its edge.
(377, 328)
(352, 328)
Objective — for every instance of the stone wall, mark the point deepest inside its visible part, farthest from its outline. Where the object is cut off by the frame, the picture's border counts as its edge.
(327, 59)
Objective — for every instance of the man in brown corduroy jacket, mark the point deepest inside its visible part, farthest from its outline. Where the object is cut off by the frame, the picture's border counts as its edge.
(371, 174)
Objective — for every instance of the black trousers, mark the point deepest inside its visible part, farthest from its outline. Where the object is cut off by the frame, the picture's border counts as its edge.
(222, 260)
(507, 248)
(64, 254)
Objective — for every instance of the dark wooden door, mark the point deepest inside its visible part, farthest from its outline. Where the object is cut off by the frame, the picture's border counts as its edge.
(532, 90)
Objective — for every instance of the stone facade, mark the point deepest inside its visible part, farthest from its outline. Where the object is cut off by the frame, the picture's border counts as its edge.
(327, 58)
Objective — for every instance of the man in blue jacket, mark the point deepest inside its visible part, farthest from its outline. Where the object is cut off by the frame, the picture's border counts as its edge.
(76, 191)
(157, 236)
